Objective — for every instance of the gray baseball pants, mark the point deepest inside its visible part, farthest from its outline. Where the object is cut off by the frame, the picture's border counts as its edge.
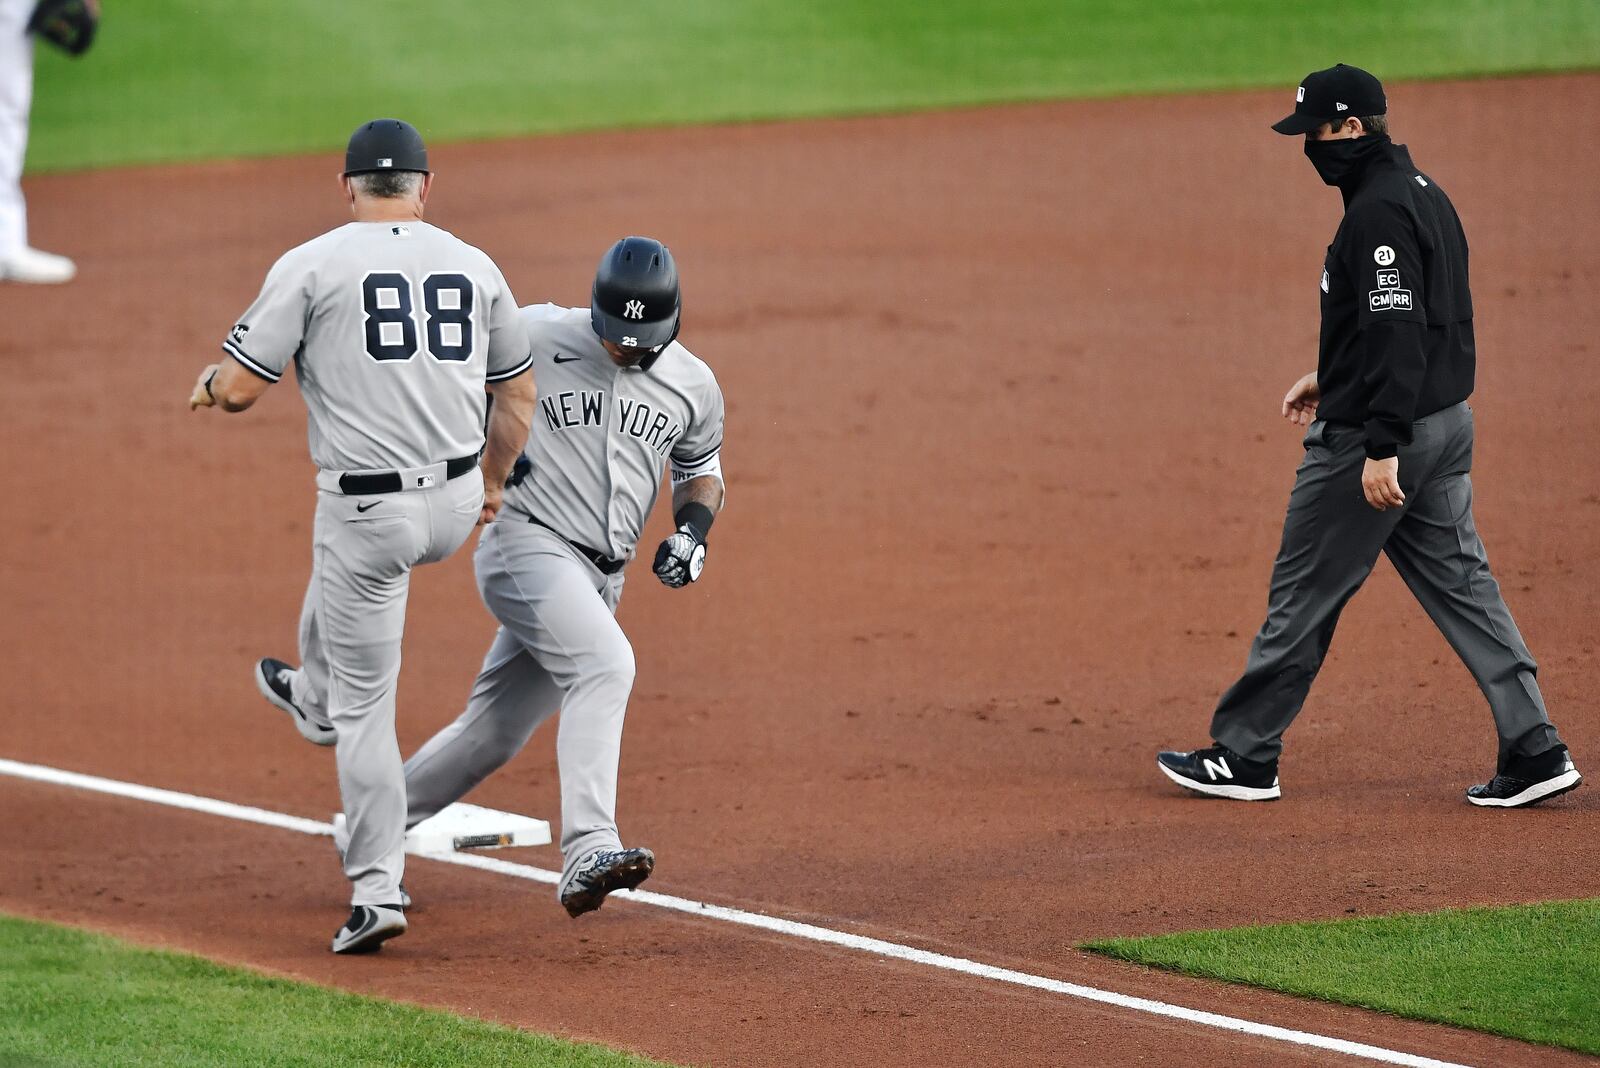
(559, 647)
(1331, 541)
(350, 629)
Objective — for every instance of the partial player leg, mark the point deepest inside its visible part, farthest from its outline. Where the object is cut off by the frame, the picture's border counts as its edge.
(1331, 540)
(309, 685)
(560, 609)
(16, 94)
(510, 698)
(1437, 551)
(290, 689)
(455, 506)
(302, 692)
(363, 571)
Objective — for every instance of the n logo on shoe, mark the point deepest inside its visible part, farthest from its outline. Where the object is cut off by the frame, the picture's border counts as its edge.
(1218, 768)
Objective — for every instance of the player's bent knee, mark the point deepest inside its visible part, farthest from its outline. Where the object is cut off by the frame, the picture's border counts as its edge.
(616, 670)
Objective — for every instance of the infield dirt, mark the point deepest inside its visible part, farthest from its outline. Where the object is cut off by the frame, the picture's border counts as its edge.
(1006, 477)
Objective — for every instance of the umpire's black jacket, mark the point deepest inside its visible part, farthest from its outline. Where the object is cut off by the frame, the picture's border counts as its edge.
(1396, 340)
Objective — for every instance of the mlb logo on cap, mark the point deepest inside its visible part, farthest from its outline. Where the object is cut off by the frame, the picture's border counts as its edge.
(385, 145)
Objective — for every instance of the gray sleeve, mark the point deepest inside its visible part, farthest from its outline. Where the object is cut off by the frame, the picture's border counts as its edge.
(509, 353)
(537, 330)
(271, 331)
(696, 450)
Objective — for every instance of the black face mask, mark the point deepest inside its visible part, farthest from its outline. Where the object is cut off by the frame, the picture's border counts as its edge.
(1338, 161)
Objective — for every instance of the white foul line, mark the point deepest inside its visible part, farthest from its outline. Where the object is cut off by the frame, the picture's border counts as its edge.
(809, 932)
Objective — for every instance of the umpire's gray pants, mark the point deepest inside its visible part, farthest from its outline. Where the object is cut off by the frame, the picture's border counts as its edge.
(350, 629)
(1331, 540)
(559, 647)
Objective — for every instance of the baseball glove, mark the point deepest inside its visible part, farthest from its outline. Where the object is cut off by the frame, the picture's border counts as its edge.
(67, 24)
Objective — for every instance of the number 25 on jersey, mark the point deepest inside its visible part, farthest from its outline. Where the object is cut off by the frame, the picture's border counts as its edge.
(391, 323)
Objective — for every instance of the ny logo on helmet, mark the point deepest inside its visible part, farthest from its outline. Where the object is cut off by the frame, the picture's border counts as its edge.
(634, 309)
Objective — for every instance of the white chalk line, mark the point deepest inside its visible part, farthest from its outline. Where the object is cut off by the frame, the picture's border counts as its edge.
(794, 929)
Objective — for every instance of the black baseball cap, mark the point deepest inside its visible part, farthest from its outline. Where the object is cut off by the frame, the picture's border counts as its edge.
(385, 145)
(1333, 95)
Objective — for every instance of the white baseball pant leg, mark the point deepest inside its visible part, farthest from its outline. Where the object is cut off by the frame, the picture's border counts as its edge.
(16, 98)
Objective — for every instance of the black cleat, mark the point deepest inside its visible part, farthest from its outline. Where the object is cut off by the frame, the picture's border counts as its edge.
(603, 873)
(1528, 780)
(1220, 772)
(272, 679)
(369, 927)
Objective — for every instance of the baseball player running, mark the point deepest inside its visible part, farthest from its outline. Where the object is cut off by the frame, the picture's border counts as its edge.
(1387, 466)
(395, 329)
(620, 400)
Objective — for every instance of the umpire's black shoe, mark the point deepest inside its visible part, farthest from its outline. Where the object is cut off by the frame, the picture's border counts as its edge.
(603, 873)
(1220, 772)
(369, 927)
(1528, 780)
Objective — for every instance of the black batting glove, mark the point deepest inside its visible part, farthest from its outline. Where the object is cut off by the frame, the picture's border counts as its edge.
(681, 558)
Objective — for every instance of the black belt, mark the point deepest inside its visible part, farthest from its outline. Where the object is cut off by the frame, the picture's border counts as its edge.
(601, 561)
(368, 483)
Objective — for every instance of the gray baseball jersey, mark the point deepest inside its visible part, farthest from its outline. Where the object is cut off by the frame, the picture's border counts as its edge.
(393, 329)
(603, 435)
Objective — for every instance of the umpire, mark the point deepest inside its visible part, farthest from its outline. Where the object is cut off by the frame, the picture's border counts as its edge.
(1387, 465)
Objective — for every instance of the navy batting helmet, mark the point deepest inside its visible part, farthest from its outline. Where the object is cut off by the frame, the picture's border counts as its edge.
(385, 145)
(635, 301)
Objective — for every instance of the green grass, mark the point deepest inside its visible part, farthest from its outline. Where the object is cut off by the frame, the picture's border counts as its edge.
(1529, 971)
(68, 998)
(181, 79)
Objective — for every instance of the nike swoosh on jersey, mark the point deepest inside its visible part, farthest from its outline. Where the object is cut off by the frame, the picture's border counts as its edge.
(568, 359)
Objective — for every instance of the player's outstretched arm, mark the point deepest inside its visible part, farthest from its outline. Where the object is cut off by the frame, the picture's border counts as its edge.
(509, 418)
(695, 503)
(227, 385)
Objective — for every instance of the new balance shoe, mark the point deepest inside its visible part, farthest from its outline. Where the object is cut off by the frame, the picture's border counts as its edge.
(1528, 780)
(274, 679)
(369, 927)
(341, 842)
(1220, 772)
(603, 873)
